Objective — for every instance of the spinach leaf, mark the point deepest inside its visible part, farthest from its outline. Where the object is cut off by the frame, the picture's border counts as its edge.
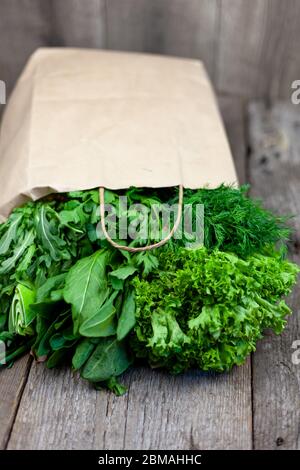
(127, 318)
(103, 322)
(123, 272)
(118, 276)
(86, 287)
(109, 359)
(52, 284)
(83, 352)
(57, 357)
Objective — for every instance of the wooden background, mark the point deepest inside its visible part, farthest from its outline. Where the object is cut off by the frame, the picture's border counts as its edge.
(250, 48)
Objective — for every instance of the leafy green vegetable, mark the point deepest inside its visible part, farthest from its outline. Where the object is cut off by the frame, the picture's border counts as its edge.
(127, 318)
(109, 359)
(83, 351)
(67, 295)
(20, 315)
(86, 287)
(102, 323)
(52, 284)
(10, 233)
(207, 309)
(235, 223)
(8, 264)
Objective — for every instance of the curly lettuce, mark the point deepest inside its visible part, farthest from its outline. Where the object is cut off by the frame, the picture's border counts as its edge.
(208, 309)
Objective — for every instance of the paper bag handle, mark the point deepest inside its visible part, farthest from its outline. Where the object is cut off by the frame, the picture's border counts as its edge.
(139, 248)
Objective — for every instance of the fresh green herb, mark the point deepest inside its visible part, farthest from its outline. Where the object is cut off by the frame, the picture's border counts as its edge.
(70, 297)
(207, 309)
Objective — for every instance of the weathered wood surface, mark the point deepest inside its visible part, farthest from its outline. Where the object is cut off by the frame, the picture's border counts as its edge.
(26, 25)
(12, 383)
(188, 412)
(233, 113)
(173, 27)
(275, 176)
(193, 411)
(250, 48)
(254, 38)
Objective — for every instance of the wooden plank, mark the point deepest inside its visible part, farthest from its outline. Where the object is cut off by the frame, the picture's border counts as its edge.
(171, 27)
(78, 24)
(11, 388)
(233, 112)
(275, 176)
(258, 43)
(193, 411)
(289, 67)
(249, 48)
(26, 25)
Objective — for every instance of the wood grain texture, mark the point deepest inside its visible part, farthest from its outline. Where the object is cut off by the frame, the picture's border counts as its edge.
(12, 382)
(233, 113)
(249, 48)
(257, 45)
(78, 24)
(26, 25)
(275, 176)
(174, 27)
(193, 411)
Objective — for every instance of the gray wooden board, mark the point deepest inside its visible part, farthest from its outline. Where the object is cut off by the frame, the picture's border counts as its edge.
(174, 27)
(12, 382)
(193, 411)
(233, 113)
(26, 25)
(258, 47)
(275, 176)
(250, 48)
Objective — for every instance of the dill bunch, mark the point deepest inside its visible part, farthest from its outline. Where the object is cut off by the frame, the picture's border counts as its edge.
(236, 223)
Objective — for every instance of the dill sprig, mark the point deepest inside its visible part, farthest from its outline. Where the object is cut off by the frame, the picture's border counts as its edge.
(233, 222)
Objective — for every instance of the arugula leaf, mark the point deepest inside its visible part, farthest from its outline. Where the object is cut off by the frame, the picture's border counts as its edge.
(10, 234)
(47, 232)
(26, 260)
(8, 264)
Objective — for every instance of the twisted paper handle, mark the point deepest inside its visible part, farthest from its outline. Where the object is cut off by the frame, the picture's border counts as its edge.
(140, 248)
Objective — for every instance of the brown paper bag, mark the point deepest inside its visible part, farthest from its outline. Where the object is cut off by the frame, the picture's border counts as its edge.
(79, 119)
